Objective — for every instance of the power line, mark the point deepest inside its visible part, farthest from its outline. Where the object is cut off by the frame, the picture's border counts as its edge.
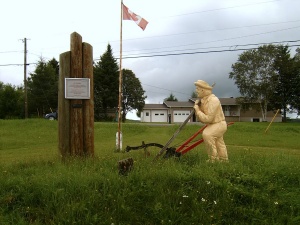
(216, 47)
(193, 53)
(165, 89)
(11, 52)
(17, 64)
(210, 51)
(12, 64)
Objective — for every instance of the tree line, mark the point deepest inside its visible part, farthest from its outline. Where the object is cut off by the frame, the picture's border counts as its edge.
(267, 76)
(42, 91)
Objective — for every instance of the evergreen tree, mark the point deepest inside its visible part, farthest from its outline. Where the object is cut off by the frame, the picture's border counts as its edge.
(295, 104)
(43, 88)
(171, 98)
(283, 94)
(54, 63)
(194, 95)
(106, 85)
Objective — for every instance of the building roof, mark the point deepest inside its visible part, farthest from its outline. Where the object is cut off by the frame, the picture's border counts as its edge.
(176, 104)
(228, 101)
(155, 106)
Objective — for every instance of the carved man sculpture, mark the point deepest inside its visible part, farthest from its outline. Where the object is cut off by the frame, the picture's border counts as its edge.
(209, 111)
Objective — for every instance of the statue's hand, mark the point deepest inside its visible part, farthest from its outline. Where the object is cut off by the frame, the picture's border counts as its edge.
(197, 102)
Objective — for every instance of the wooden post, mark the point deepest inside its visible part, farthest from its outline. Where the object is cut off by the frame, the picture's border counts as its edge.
(63, 105)
(272, 120)
(88, 105)
(76, 123)
(76, 116)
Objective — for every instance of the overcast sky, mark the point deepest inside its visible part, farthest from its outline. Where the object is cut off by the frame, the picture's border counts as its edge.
(205, 29)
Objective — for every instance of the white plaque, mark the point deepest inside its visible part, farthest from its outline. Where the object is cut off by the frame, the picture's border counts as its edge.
(77, 88)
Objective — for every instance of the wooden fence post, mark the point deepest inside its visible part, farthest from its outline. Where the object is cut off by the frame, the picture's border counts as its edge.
(63, 105)
(88, 105)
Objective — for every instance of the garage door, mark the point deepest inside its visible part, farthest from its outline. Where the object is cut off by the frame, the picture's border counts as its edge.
(180, 115)
(159, 116)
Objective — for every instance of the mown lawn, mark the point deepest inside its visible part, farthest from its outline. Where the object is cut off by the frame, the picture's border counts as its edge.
(260, 184)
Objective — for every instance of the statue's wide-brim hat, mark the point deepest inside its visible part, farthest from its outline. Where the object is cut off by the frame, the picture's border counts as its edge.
(203, 84)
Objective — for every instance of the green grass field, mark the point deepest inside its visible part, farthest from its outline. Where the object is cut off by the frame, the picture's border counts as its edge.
(260, 184)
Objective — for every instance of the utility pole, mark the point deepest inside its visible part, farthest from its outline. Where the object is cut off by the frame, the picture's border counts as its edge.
(25, 78)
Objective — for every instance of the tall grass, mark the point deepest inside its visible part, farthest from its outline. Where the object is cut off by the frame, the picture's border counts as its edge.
(260, 184)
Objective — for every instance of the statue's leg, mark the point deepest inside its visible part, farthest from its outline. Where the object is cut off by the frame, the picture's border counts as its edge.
(210, 143)
(221, 147)
(222, 150)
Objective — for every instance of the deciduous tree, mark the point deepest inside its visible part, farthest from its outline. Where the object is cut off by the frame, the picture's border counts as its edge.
(11, 101)
(255, 75)
(133, 94)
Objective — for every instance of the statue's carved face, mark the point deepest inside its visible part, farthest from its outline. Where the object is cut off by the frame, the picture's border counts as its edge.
(201, 92)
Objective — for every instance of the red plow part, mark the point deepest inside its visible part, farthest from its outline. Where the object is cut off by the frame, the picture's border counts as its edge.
(185, 147)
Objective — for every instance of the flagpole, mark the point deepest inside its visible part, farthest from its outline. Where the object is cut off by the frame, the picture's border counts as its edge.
(120, 82)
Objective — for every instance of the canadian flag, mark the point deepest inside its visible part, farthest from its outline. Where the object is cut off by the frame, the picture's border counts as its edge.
(129, 15)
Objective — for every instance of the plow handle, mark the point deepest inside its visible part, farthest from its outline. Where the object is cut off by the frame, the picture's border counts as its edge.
(174, 135)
